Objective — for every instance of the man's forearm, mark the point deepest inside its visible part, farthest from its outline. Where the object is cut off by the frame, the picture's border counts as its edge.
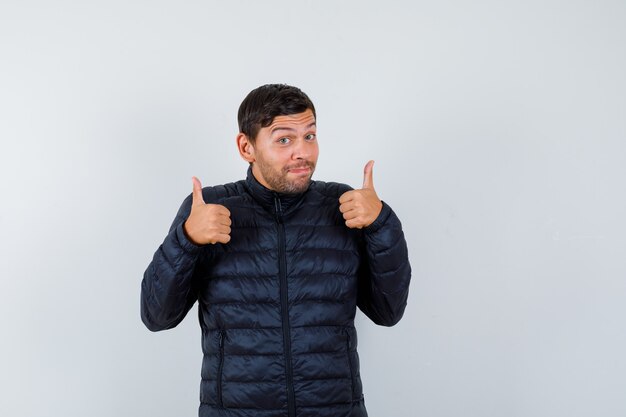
(384, 284)
(167, 290)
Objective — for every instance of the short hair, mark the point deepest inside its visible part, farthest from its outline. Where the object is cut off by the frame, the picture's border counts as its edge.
(264, 103)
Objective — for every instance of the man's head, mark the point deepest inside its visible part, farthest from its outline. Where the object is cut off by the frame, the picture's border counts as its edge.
(278, 137)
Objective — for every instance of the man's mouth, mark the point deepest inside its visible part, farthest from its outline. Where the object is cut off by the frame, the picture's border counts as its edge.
(300, 169)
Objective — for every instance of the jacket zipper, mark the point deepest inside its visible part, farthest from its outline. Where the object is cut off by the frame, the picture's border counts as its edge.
(220, 369)
(352, 385)
(284, 306)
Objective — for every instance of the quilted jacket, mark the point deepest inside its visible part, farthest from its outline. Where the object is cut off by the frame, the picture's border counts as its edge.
(277, 303)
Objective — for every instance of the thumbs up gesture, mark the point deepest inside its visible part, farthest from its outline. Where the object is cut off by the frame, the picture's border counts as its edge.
(207, 223)
(361, 207)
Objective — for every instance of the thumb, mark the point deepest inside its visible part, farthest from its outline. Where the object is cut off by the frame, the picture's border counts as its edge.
(368, 179)
(197, 192)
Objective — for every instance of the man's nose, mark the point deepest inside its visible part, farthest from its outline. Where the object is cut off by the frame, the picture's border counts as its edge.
(301, 149)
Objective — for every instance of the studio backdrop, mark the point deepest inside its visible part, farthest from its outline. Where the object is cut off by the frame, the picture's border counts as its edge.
(498, 132)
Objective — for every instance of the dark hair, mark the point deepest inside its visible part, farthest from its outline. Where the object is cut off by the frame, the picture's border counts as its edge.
(264, 103)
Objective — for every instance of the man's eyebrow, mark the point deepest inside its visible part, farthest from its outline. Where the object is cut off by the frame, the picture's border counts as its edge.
(289, 129)
(277, 128)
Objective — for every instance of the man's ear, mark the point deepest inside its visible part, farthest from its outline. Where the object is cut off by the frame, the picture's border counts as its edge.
(246, 148)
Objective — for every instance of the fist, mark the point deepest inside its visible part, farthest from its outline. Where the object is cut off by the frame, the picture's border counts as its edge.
(361, 207)
(207, 223)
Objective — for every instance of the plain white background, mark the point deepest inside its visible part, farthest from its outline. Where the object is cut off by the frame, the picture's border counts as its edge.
(498, 130)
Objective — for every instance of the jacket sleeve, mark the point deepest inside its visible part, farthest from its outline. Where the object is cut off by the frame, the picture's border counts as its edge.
(168, 290)
(385, 270)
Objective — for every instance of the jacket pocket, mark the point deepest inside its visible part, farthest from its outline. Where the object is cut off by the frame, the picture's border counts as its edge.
(350, 364)
(220, 369)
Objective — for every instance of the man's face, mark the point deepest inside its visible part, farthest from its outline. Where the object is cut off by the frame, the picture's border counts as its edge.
(285, 153)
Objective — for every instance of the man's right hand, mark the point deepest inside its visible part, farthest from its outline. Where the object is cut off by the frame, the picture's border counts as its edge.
(207, 223)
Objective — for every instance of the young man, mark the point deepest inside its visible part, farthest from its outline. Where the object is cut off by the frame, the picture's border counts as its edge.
(278, 264)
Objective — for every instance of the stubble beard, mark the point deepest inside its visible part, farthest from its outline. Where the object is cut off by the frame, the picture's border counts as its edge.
(279, 181)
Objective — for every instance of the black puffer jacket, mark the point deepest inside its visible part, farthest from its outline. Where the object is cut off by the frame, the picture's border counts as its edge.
(277, 303)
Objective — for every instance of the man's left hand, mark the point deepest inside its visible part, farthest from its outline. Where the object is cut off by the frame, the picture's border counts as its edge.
(361, 207)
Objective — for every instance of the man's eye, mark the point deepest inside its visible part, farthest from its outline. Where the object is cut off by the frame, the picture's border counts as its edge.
(310, 136)
(283, 140)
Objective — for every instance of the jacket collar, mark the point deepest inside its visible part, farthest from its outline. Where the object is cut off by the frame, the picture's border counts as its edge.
(272, 200)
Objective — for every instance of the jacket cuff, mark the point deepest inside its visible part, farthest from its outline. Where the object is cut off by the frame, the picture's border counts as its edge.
(184, 242)
(384, 214)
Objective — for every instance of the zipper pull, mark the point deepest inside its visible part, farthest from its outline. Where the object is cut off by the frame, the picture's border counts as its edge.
(278, 208)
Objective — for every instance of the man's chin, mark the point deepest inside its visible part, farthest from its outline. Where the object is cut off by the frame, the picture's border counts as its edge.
(297, 187)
